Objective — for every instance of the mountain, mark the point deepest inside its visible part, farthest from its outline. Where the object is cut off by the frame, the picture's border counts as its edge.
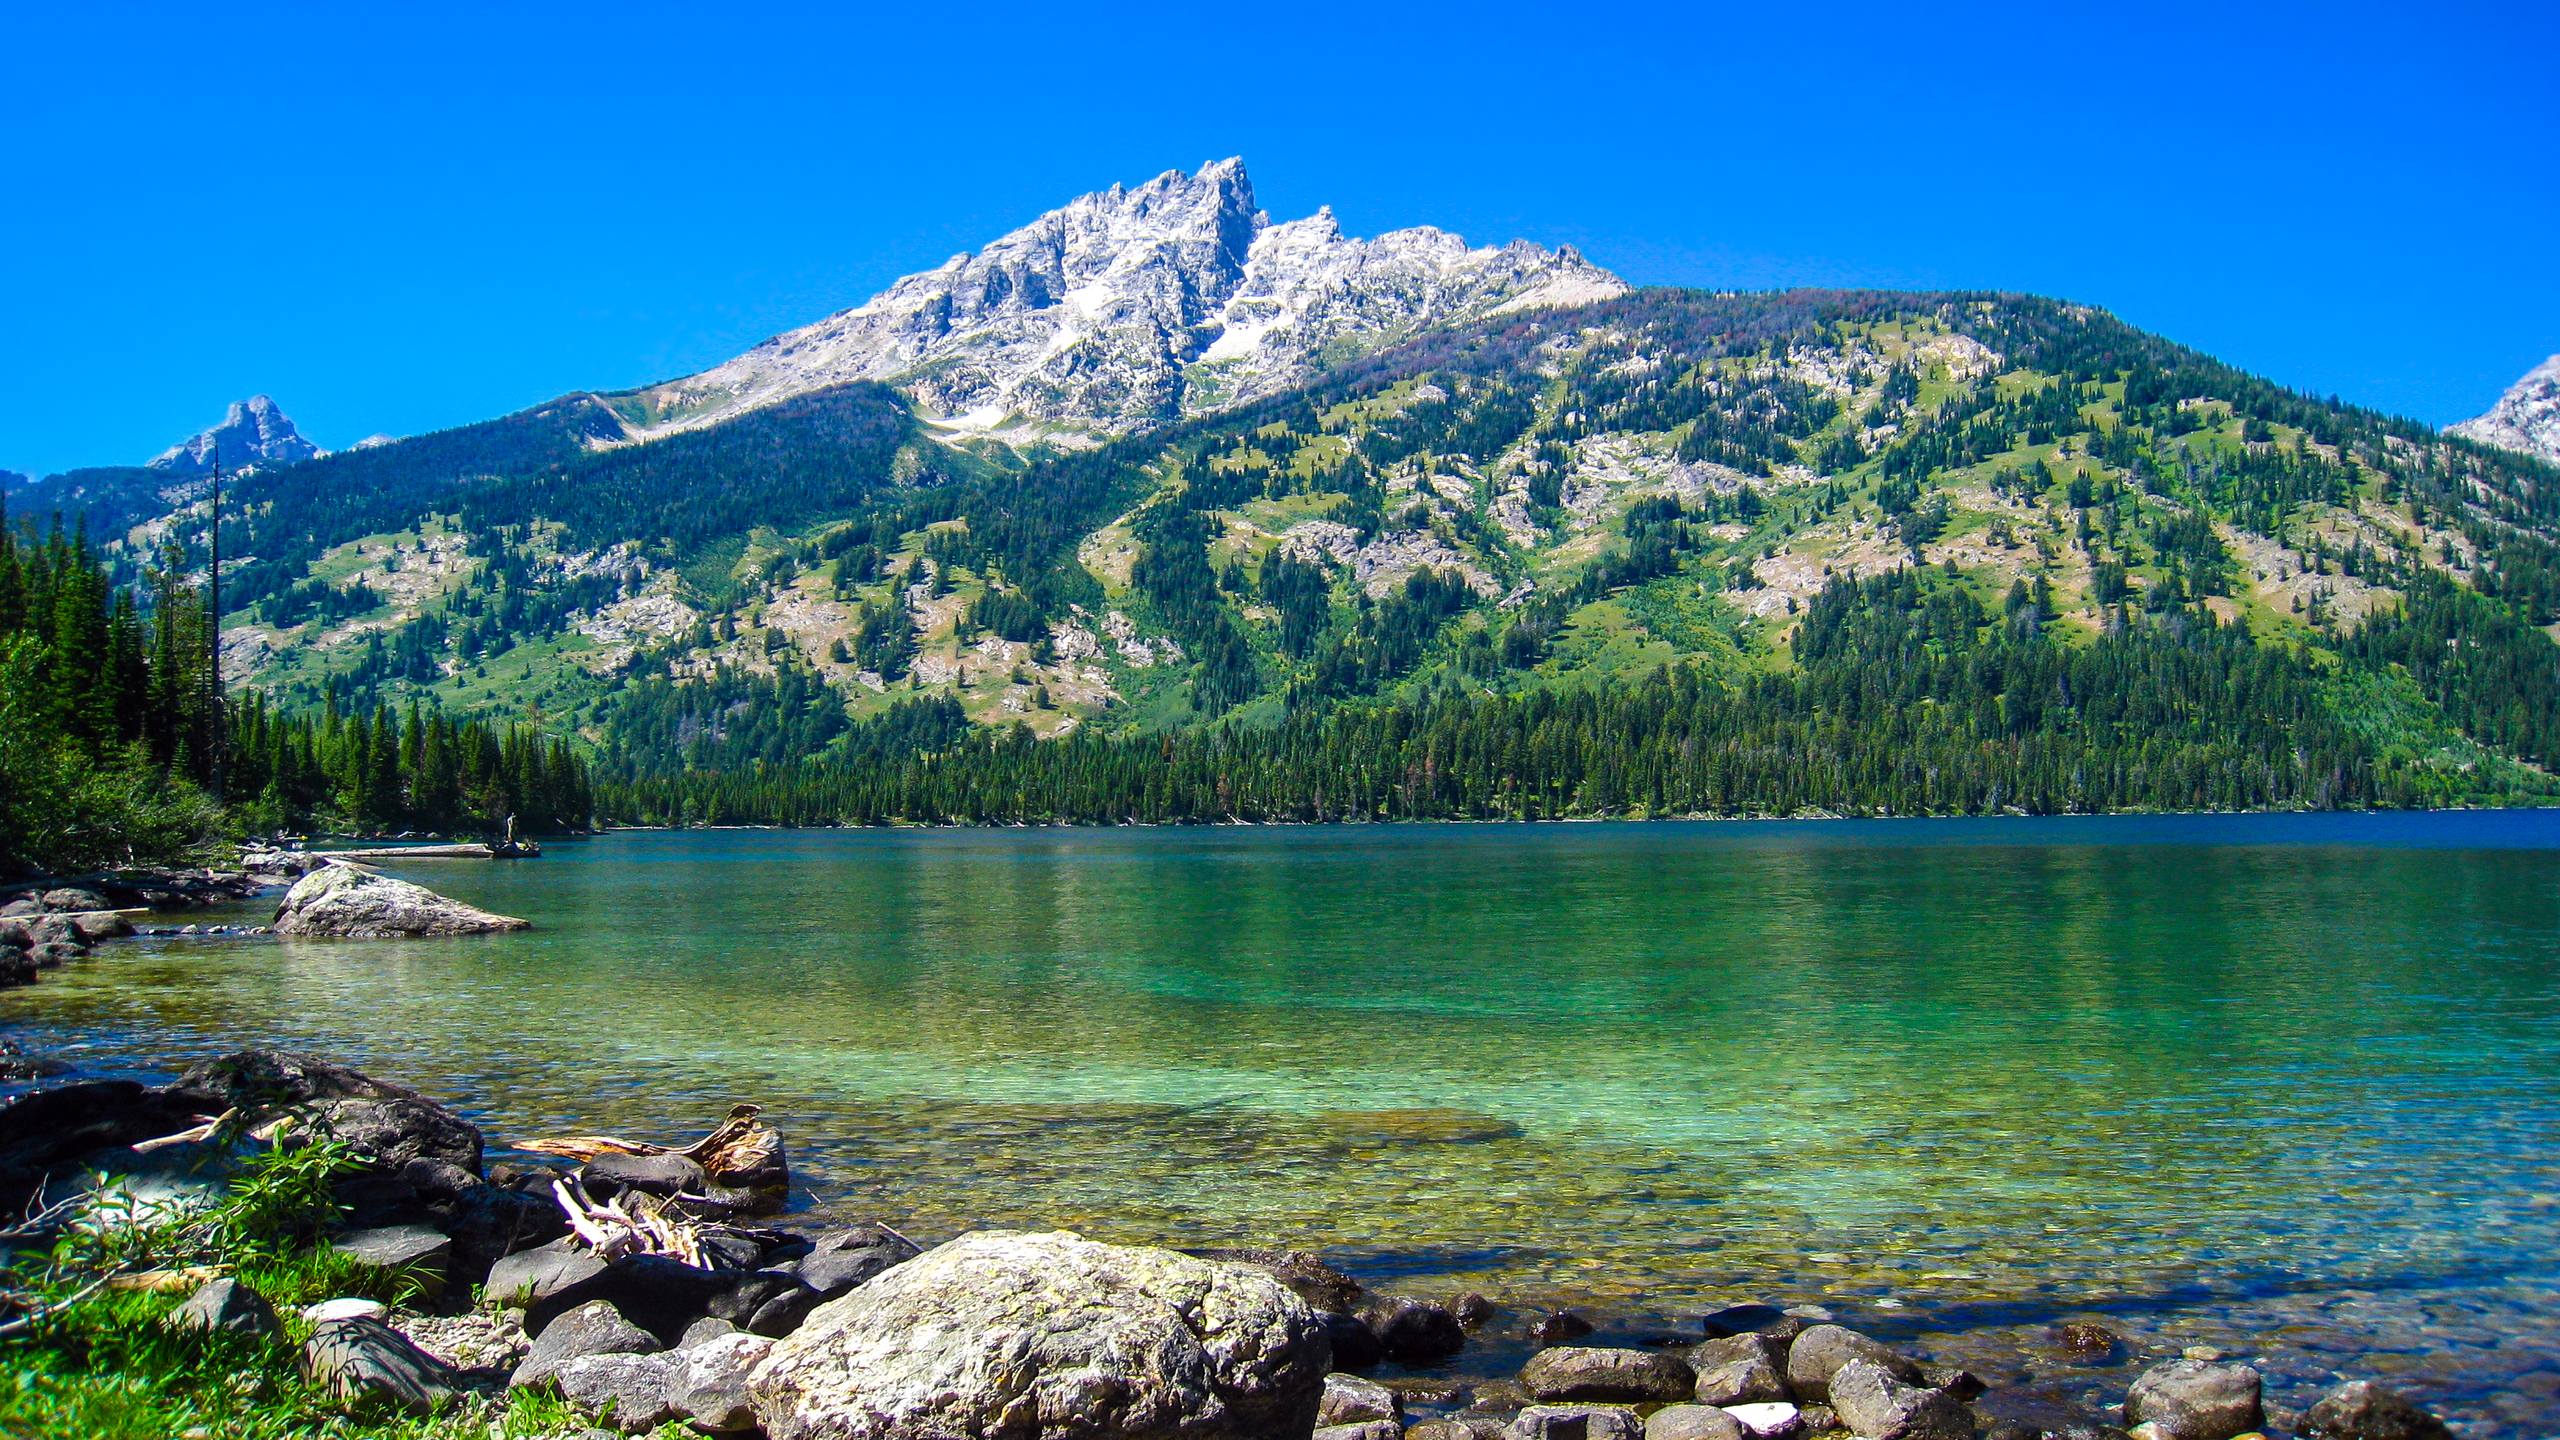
(2526, 419)
(1130, 307)
(12, 480)
(254, 434)
(1388, 527)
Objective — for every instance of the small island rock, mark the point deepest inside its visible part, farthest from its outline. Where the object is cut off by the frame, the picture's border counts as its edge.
(350, 901)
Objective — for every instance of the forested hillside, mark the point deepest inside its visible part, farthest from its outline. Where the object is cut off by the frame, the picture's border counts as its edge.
(1670, 553)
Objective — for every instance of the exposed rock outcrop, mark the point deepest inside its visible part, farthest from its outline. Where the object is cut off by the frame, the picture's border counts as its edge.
(353, 902)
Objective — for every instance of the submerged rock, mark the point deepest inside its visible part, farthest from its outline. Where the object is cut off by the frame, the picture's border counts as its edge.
(353, 902)
(2195, 1400)
(1050, 1337)
(2362, 1410)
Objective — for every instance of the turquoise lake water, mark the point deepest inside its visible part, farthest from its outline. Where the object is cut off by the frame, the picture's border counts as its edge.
(2283, 1085)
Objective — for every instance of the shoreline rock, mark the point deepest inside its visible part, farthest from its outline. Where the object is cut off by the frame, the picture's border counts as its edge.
(358, 903)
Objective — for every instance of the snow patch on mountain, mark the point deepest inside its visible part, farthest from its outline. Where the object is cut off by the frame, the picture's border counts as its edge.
(2526, 419)
(1129, 307)
(254, 435)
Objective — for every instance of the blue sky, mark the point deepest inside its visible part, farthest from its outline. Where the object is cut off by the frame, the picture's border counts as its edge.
(401, 221)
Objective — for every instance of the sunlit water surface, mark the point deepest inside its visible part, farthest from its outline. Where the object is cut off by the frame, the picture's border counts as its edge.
(2284, 1085)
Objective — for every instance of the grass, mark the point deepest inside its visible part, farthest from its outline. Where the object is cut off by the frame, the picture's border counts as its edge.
(102, 1364)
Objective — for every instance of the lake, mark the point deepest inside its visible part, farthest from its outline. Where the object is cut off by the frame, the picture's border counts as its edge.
(2282, 1085)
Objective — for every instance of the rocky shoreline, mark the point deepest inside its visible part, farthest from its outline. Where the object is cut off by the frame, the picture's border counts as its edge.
(648, 1286)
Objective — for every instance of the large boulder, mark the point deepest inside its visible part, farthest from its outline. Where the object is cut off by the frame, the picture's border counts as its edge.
(1819, 1353)
(388, 1125)
(2362, 1410)
(1576, 1372)
(1877, 1405)
(1050, 1337)
(353, 902)
(2196, 1400)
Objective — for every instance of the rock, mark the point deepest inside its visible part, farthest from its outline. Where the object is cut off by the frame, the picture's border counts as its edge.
(2086, 1343)
(1691, 1422)
(1823, 1349)
(1307, 1276)
(54, 954)
(22, 908)
(1472, 1310)
(1411, 1331)
(627, 1392)
(709, 1385)
(2362, 1410)
(15, 936)
(363, 1359)
(347, 1307)
(109, 926)
(353, 902)
(1771, 1420)
(2196, 1400)
(1360, 1430)
(665, 1175)
(1878, 1405)
(471, 1340)
(1354, 1344)
(54, 930)
(1753, 1319)
(1458, 1427)
(1745, 1368)
(704, 1330)
(659, 1295)
(18, 967)
(1575, 1422)
(1348, 1400)
(1818, 1419)
(389, 1125)
(842, 1259)
(1573, 1372)
(1954, 1379)
(490, 1222)
(412, 1253)
(595, 1328)
(226, 1307)
(72, 898)
(539, 1273)
(1558, 1327)
(1046, 1337)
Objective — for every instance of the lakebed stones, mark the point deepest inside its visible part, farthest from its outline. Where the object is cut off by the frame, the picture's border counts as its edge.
(1050, 1337)
(1876, 1404)
(2362, 1410)
(362, 1359)
(1819, 1353)
(2194, 1400)
(353, 902)
(1573, 1372)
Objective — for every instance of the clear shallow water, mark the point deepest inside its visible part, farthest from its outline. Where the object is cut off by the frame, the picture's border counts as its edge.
(2286, 1085)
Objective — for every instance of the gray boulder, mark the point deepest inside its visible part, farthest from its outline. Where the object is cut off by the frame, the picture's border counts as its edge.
(2196, 1400)
(1350, 1400)
(1747, 1368)
(664, 1175)
(353, 902)
(1360, 1430)
(709, 1383)
(1576, 1372)
(1820, 1351)
(2362, 1410)
(1691, 1422)
(627, 1392)
(595, 1328)
(1575, 1422)
(528, 1276)
(362, 1360)
(1877, 1405)
(843, 1259)
(74, 898)
(409, 1252)
(226, 1307)
(1050, 1337)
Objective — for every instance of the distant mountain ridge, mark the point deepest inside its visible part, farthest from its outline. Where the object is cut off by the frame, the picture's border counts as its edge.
(1129, 307)
(255, 434)
(2526, 419)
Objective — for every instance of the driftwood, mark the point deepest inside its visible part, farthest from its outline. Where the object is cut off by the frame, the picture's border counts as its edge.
(743, 1153)
(631, 1223)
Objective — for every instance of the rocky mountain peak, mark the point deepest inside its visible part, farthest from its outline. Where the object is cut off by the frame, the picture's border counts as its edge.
(1134, 305)
(254, 434)
(2527, 418)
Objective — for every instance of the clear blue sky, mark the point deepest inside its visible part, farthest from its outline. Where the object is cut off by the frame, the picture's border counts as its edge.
(403, 221)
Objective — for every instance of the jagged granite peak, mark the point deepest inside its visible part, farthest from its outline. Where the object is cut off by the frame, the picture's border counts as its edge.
(254, 434)
(2526, 419)
(11, 480)
(1131, 306)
